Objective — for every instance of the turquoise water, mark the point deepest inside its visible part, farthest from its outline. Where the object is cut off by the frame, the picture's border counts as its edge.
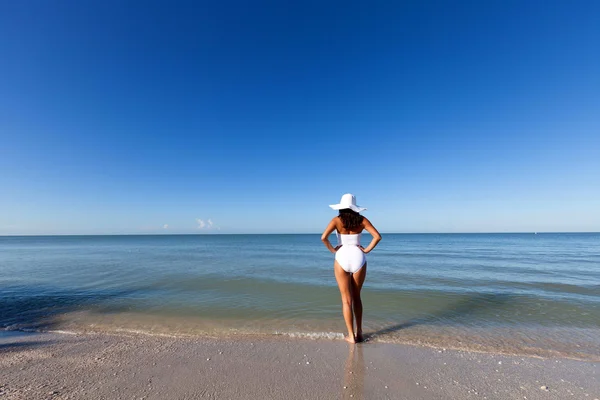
(517, 293)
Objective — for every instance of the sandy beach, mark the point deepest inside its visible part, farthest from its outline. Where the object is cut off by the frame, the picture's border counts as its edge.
(140, 366)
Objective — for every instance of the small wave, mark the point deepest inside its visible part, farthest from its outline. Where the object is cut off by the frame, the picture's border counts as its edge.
(442, 342)
(312, 335)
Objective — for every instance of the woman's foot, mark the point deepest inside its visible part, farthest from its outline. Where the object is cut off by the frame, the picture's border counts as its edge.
(350, 339)
(359, 337)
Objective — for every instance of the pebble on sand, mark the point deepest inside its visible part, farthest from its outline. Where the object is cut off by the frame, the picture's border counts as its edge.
(544, 387)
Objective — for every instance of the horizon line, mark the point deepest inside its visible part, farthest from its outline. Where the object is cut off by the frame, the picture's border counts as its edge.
(291, 233)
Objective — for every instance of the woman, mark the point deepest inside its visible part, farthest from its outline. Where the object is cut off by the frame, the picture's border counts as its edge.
(350, 264)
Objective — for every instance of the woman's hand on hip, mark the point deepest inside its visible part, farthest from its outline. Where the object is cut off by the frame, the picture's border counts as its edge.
(336, 248)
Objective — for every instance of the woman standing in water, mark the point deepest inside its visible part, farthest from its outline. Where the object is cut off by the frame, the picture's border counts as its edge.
(350, 265)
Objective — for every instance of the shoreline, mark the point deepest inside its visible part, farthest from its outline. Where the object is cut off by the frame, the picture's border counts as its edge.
(41, 365)
(575, 344)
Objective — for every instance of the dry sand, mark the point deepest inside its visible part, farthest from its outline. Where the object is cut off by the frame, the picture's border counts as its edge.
(135, 366)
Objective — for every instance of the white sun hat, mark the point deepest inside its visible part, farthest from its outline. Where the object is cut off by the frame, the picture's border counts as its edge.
(348, 201)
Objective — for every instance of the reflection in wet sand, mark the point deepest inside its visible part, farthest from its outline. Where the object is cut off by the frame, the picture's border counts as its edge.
(354, 374)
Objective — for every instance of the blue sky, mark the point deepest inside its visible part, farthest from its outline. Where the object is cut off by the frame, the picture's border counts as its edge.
(156, 117)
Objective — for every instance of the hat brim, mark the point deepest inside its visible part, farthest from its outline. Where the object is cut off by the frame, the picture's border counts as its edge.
(350, 206)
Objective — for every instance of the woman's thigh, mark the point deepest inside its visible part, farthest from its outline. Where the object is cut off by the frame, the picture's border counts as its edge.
(344, 280)
(358, 278)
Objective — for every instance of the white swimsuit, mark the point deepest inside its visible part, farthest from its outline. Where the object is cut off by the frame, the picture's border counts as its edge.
(350, 257)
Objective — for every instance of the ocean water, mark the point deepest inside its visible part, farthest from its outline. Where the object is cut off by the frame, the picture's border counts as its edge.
(511, 293)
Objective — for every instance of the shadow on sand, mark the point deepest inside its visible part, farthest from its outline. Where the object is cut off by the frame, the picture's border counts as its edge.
(16, 340)
(459, 310)
(31, 311)
(22, 345)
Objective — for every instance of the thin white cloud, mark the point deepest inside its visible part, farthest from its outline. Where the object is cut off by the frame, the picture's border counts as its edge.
(166, 226)
(206, 224)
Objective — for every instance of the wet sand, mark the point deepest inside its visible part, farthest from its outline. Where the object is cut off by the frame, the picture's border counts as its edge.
(137, 366)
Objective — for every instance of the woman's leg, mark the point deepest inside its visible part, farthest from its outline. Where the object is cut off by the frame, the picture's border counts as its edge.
(358, 278)
(344, 280)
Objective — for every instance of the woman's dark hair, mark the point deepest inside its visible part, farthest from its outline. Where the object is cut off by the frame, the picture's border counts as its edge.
(351, 219)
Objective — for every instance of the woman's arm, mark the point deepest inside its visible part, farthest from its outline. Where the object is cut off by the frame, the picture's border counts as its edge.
(376, 236)
(325, 236)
